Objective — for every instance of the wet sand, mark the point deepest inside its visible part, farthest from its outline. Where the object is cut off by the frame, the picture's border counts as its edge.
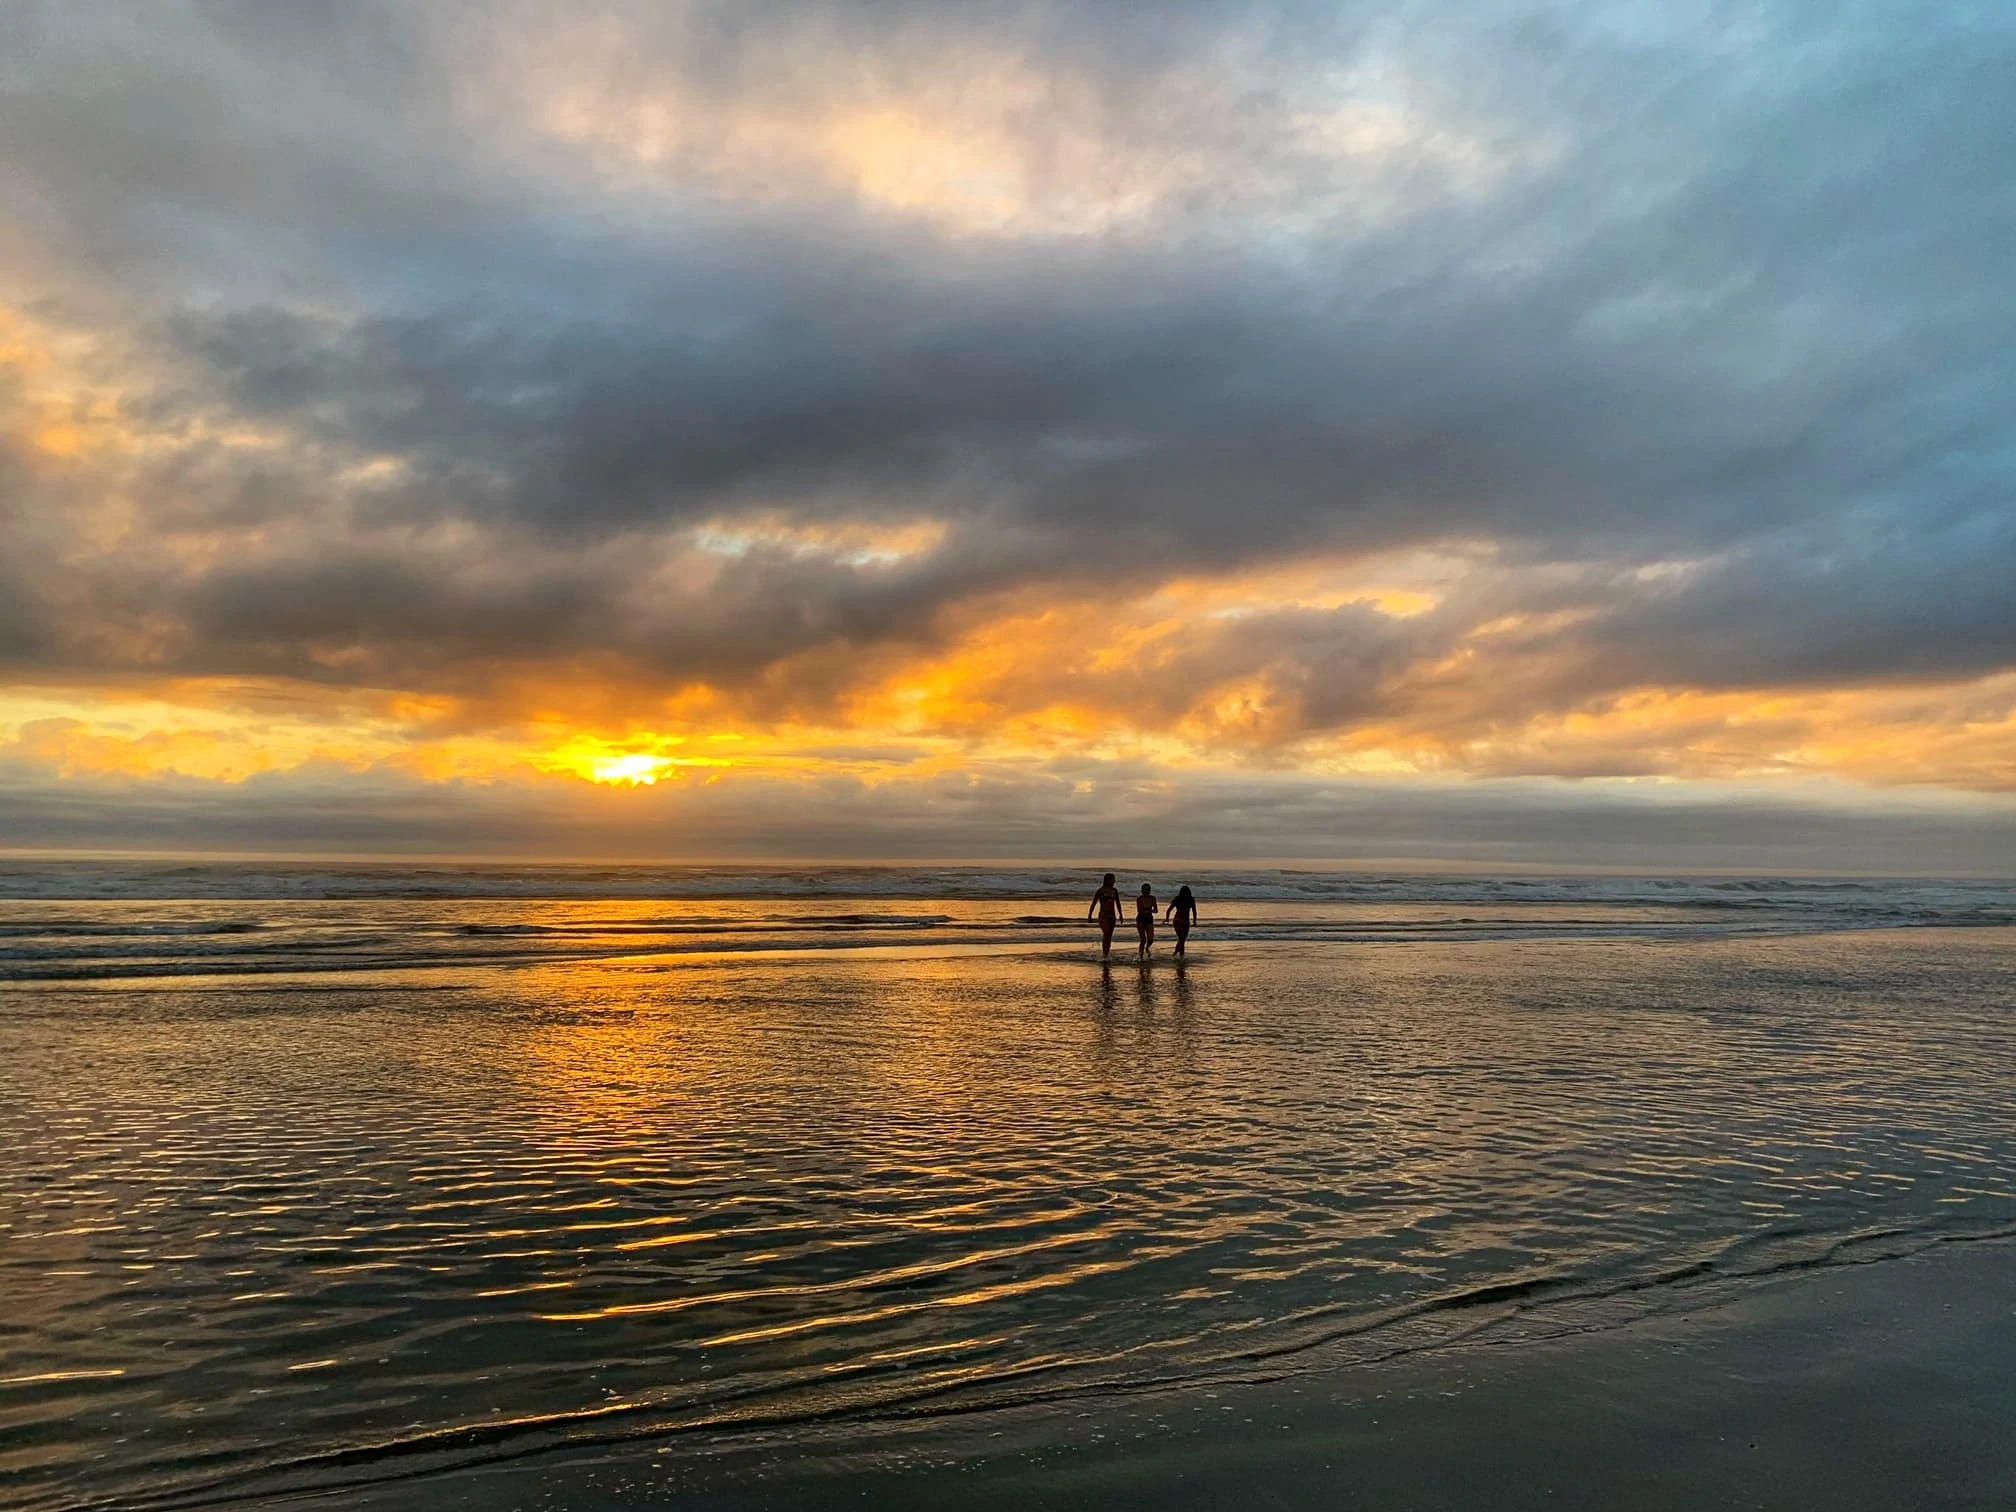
(1307, 1219)
(1884, 1385)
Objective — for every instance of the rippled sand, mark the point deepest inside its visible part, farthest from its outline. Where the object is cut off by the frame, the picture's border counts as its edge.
(271, 1232)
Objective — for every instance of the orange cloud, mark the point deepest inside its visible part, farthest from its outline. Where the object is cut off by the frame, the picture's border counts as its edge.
(70, 747)
(1380, 666)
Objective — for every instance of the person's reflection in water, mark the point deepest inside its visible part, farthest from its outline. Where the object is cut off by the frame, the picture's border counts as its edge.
(1135, 1053)
(1144, 990)
(1105, 1013)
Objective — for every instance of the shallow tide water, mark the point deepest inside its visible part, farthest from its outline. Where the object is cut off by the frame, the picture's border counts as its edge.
(306, 1193)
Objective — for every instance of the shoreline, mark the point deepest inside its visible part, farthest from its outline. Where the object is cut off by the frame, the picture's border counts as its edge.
(384, 975)
(1878, 1384)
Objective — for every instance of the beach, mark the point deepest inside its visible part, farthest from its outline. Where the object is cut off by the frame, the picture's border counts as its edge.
(569, 1189)
(1239, 754)
(1868, 1386)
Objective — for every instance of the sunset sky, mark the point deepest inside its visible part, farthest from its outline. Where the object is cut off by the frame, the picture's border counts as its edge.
(1493, 432)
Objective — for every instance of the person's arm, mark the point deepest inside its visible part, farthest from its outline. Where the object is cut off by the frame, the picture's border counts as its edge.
(1168, 913)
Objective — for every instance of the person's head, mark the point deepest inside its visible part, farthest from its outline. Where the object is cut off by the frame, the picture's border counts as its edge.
(1146, 889)
(1183, 893)
(1109, 879)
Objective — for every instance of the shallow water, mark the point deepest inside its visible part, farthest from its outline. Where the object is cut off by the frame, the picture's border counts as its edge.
(266, 1227)
(104, 922)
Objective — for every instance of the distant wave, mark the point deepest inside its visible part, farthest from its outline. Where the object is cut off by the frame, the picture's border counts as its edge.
(72, 922)
(101, 880)
(371, 944)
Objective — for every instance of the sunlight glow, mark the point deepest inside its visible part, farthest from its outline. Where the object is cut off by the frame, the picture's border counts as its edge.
(1222, 672)
(639, 769)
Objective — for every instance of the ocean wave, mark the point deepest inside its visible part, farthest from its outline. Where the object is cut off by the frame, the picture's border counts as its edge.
(105, 880)
(81, 921)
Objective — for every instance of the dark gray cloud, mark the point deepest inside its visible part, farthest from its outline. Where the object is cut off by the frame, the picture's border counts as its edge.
(988, 815)
(1869, 599)
(1203, 287)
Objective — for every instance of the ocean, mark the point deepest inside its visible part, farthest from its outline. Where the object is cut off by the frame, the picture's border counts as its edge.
(323, 1180)
(111, 922)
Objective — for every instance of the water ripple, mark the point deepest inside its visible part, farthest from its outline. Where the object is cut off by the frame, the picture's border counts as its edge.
(257, 1241)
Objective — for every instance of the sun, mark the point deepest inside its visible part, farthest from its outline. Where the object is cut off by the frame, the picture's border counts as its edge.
(590, 758)
(638, 769)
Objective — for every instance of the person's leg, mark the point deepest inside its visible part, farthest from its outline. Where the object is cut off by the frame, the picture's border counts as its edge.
(1105, 937)
(1182, 935)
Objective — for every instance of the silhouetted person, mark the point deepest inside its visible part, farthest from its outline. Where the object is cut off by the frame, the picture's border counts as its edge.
(1106, 902)
(1183, 913)
(1144, 918)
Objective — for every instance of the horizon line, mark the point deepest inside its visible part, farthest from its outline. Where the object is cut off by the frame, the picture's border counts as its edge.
(1427, 865)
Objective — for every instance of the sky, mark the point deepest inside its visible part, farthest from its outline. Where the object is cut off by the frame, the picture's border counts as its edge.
(1502, 432)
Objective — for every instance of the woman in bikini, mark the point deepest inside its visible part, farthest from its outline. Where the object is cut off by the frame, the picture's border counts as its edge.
(1183, 913)
(1144, 918)
(1106, 902)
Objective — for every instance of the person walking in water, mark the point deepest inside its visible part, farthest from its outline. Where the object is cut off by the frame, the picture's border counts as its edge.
(1106, 902)
(1144, 918)
(1183, 913)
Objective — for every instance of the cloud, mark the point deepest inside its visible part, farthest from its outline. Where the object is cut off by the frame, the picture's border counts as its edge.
(1265, 388)
(1002, 813)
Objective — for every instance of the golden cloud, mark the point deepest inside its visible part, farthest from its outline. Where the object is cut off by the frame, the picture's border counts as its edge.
(1176, 678)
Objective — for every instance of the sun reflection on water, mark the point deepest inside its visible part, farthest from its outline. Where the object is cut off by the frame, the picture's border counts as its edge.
(674, 1187)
